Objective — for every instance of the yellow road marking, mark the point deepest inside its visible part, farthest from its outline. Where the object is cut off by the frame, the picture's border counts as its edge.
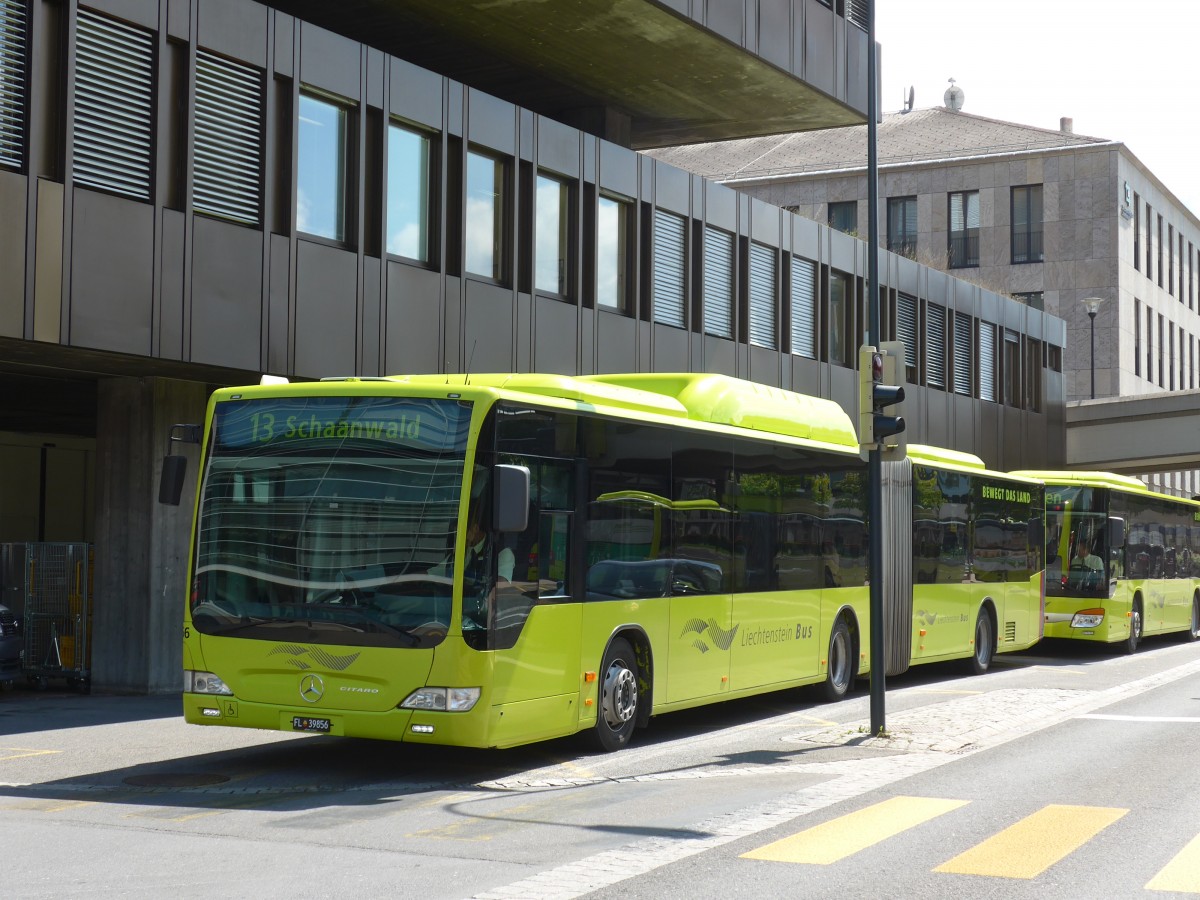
(1182, 874)
(1034, 844)
(21, 753)
(817, 721)
(831, 841)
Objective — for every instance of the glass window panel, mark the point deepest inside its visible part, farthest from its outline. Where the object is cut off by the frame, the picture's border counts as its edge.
(485, 216)
(551, 222)
(408, 193)
(321, 169)
(837, 317)
(611, 243)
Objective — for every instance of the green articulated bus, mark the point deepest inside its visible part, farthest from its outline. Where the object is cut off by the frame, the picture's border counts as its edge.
(490, 560)
(1122, 561)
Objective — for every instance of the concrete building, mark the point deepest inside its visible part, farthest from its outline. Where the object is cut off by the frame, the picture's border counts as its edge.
(195, 192)
(1048, 217)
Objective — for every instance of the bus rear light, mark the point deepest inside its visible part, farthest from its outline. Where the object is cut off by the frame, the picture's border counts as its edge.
(1087, 618)
(442, 699)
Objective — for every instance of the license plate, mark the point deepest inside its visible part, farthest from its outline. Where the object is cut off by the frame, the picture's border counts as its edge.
(304, 723)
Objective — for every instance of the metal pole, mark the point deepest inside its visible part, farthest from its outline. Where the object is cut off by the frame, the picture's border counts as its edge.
(1092, 316)
(874, 456)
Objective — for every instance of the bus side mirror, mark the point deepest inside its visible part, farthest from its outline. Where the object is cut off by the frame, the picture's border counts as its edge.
(174, 468)
(510, 506)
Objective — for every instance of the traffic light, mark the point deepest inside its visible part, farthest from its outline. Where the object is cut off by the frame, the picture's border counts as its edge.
(880, 387)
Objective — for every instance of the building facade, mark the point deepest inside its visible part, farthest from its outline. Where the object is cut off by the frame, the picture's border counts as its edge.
(197, 192)
(1050, 218)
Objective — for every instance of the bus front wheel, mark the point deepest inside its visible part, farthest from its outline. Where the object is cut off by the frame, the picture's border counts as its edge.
(1135, 627)
(840, 663)
(985, 643)
(617, 715)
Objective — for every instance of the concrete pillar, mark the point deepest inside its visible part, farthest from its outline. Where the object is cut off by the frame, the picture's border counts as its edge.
(141, 546)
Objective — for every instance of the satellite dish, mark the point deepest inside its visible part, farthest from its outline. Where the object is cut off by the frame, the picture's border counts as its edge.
(953, 97)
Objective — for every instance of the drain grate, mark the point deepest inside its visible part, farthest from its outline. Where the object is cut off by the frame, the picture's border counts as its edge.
(176, 780)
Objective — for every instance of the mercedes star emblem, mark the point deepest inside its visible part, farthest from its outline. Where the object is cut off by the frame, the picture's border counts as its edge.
(312, 688)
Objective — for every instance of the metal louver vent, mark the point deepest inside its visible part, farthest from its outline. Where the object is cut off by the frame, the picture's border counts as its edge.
(113, 72)
(718, 283)
(935, 346)
(762, 296)
(12, 82)
(669, 268)
(804, 308)
(962, 354)
(856, 13)
(906, 327)
(987, 361)
(229, 124)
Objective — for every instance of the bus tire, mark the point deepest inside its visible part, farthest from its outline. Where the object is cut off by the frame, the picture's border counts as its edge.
(985, 643)
(840, 663)
(1135, 627)
(617, 714)
(1193, 632)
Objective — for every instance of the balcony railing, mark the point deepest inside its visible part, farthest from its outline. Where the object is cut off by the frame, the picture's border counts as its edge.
(964, 251)
(1027, 246)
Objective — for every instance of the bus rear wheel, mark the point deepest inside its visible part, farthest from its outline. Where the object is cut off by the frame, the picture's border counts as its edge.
(1193, 633)
(1135, 627)
(840, 663)
(985, 643)
(617, 714)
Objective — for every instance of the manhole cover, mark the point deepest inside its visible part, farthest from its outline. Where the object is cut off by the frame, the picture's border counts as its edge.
(176, 780)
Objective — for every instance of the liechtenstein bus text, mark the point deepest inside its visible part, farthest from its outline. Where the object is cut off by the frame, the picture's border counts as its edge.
(492, 560)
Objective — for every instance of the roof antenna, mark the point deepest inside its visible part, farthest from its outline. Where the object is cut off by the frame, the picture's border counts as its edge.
(908, 101)
(467, 374)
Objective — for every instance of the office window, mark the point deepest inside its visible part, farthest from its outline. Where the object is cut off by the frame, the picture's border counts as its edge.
(1149, 235)
(1171, 259)
(987, 361)
(1162, 332)
(1159, 255)
(227, 176)
(964, 229)
(935, 346)
(1191, 361)
(1182, 360)
(408, 192)
(718, 282)
(612, 251)
(1137, 232)
(114, 115)
(762, 296)
(13, 24)
(844, 216)
(840, 298)
(670, 266)
(804, 308)
(486, 208)
(1027, 224)
(552, 218)
(322, 158)
(1032, 299)
(1191, 270)
(1137, 337)
(1149, 345)
(906, 331)
(902, 226)
(962, 354)
(1012, 368)
(1171, 356)
(1180, 258)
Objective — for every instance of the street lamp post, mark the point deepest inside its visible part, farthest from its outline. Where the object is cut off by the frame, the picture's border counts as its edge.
(1092, 305)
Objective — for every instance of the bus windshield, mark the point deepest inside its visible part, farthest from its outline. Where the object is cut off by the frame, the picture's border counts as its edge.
(330, 520)
(1076, 555)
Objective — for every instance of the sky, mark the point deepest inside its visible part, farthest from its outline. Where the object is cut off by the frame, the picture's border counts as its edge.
(1121, 69)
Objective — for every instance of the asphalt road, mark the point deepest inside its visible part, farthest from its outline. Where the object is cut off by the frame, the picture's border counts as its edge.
(1065, 750)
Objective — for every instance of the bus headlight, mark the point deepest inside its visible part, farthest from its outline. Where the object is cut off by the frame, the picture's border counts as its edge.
(204, 683)
(1087, 618)
(442, 699)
